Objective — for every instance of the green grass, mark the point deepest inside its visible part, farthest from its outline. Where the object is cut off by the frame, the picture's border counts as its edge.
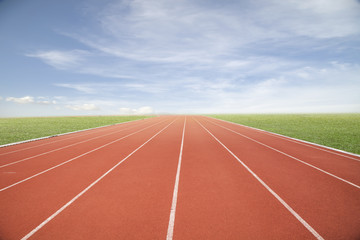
(19, 129)
(341, 131)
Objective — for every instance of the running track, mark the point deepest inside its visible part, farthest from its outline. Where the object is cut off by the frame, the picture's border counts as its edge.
(177, 177)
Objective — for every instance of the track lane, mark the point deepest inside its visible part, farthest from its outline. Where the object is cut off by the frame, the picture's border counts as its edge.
(131, 202)
(331, 206)
(44, 151)
(43, 146)
(298, 141)
(57, 138)
(19, 172)
(219, 199)
(170, 229)
(340, 166)
(296, 159)
(24, 205)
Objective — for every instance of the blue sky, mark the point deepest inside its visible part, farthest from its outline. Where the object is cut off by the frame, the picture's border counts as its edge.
(99, 57)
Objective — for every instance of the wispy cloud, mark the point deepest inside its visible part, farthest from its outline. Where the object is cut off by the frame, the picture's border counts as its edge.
(46, 102)
(229, 56)
(106, 87)
(61, 59)
(22, 100)
(83, 107)
(314, 19)
(139, 111)
(84, 88)
(30, 99)
(187, 31)
(306, 89)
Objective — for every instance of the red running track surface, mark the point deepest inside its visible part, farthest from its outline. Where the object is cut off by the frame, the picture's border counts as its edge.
(233, 182)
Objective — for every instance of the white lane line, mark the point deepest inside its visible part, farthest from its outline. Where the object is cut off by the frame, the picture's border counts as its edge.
(292, 211)
(171, 225)
(72, 159)
(301, 142)
(70, 137)
(88, 187)
(308, 164)
(67, 146)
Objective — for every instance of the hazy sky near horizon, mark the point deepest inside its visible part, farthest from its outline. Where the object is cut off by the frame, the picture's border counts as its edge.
(97, 57)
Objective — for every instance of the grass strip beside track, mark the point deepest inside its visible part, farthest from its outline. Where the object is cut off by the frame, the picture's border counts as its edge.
(20, 129)
(340, 131)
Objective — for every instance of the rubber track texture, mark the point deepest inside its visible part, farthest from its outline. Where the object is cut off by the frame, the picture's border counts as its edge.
(217, 198)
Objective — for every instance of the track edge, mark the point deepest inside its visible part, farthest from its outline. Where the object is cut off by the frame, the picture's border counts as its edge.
(296, 139)
(61, 134)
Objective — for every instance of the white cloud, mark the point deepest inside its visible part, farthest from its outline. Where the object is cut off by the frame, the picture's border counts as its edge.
(306, 89)
(168, 29)
(29, 99)
(23, 100)
(235, 64)
(104, 87)
(192, 32)
(314, 18)
(1, 98)
(145, 110)
(234, 56)
(60, 98)
(46, 102)
(185, 36)
(61, 59)
(186, 31)
(85, 88)
(126, 111)
(139, 111)
(83, 107)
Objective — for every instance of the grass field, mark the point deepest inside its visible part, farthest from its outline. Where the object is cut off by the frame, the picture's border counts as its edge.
(341, 131)
(19, 129)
